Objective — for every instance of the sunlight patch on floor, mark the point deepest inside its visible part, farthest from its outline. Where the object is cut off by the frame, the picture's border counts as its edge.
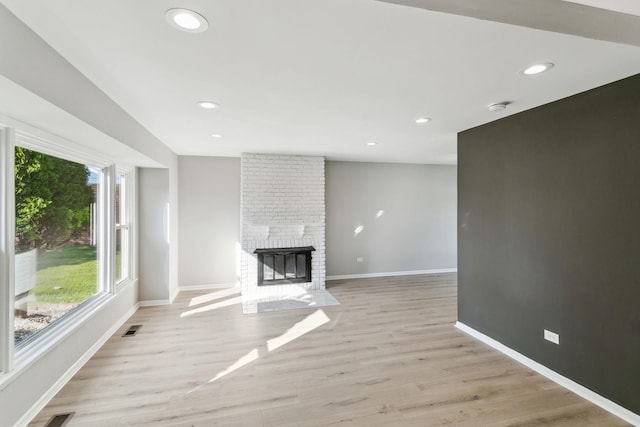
(214, 306)
(292, 299)
(243, 361)
(212, 296)
(306, 325)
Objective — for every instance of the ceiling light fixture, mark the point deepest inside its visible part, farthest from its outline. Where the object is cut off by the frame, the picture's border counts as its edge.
(186, 20)
(422, 120)
(537, 68)
(207, 105)
(371, 144)
(216, 135)
(500, 106)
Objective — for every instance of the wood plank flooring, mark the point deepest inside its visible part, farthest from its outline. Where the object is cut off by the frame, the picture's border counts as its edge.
(387, 356)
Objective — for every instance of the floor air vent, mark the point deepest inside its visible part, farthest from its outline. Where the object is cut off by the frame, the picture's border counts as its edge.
(59, 420)
(133, 329)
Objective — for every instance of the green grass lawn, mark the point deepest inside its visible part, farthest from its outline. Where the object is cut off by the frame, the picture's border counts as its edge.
(73, 269)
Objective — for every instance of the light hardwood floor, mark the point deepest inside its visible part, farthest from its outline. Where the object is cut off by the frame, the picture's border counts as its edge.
(387, 356)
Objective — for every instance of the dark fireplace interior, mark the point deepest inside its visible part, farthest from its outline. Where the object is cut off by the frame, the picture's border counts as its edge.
(284, 265)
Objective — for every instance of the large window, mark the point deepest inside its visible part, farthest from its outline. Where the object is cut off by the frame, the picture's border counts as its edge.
(65, 237)
(56, 258)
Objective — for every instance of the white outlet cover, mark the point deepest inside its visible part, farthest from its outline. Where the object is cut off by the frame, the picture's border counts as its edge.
(359, 259)
(552, 336)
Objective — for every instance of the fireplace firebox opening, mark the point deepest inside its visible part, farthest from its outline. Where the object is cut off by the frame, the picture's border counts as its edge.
(284, 265)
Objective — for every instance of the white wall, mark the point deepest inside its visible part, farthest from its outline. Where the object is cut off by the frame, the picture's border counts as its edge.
(33, 383)
(174, 237)
(417, 230)
(153, 235)
(209, 209)
(32, 64)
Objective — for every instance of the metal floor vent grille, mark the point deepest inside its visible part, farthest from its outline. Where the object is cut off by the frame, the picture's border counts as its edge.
(59, 420)
(133, 329)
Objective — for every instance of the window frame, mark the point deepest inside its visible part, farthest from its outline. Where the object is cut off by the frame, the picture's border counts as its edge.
(131, 176)
(7, 231)
(13, 359)
(126, 208)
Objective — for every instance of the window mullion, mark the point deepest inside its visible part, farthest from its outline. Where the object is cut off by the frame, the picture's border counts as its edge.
(131, 217)
(107, 230)
(7, 235)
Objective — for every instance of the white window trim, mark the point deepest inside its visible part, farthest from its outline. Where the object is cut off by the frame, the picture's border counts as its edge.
(33, 349)
(124, 253)
(132, 221)
(107, 234)
(14, 360)
(37, 139)
(53, 147)
(7, 232)
(127, 211)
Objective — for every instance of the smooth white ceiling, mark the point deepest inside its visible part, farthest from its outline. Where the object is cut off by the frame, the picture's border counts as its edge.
(18, 103)
(320, 77)
(631, 7)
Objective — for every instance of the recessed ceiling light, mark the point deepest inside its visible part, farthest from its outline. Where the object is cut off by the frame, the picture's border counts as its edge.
(216, 135)
(186, 20)
(208, 105)
(537, 69)
(421, 120)
(497, 107)
(371, 144)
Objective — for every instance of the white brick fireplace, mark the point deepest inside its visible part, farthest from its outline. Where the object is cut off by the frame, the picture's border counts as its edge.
(282, 206)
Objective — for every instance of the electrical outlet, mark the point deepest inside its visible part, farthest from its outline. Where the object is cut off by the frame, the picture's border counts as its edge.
(552, 336)
(359, 259)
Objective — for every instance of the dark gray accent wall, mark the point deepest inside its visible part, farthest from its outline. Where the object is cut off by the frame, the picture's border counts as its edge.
(549, 236)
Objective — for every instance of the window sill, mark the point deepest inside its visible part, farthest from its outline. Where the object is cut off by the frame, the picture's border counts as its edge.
(124, 283)
(29, 353)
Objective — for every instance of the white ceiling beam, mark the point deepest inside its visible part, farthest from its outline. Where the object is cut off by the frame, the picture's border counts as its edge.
(548, 15)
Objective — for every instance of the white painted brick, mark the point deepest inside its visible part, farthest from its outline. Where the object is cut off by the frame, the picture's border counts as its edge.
(280, 195)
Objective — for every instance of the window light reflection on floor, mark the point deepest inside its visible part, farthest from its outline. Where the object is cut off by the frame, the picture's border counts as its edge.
(212, 296)
(308, 324)
(214, 306)
(244, 360)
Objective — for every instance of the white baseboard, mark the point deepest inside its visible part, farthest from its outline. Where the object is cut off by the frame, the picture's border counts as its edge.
(173, 294)
(205, 287)
(392, 273)
(565, 382)
(62, 381)
(154, 302)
